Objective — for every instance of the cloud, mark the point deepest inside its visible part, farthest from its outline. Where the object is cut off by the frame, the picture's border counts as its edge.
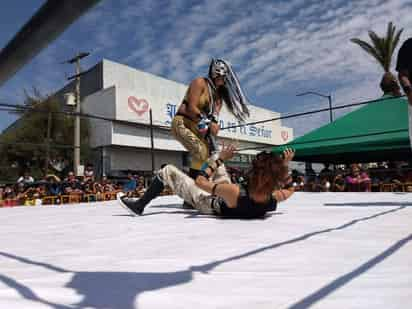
(275, 47)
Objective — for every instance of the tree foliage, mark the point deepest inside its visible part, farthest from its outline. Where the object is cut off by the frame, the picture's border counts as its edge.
(381, 48)
(23, 146)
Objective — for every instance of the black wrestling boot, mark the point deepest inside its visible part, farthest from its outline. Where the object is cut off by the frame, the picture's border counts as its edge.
(186, 205)
(136, 207)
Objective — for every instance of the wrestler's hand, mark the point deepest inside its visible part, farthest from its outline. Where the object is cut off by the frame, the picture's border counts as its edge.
(288, 155)
(410, 98)
(203, 126)
(214, 128)
(227, 152)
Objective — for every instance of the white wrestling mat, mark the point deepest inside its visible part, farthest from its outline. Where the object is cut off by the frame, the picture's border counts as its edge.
(320, 250)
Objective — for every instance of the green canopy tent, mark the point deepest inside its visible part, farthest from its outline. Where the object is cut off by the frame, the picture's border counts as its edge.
(376, 132)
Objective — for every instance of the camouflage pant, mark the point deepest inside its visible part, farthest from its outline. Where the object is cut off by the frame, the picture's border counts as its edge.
(185, 131)
(185, 187)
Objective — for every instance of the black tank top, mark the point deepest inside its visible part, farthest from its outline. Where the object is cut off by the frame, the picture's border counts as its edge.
(246, 207)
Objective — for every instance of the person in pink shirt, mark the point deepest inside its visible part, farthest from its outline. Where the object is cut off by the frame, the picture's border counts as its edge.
(358, 180)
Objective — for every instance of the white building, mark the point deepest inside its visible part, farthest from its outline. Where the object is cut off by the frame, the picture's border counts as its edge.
(123, 93)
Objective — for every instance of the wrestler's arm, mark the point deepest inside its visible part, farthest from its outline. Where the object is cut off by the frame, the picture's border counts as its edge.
(215, 127)
(283, 194)
(406, 84)
(229, 192)
(196, 88)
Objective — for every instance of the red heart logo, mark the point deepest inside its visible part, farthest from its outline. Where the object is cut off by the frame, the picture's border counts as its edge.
(139, 106)
(284, 135)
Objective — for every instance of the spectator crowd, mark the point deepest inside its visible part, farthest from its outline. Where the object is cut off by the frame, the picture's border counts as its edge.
(71, 189)
(355, 178)
(75, 189)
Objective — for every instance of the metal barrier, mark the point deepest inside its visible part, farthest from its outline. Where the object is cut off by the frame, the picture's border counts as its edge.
(62, 199)
(109, 196)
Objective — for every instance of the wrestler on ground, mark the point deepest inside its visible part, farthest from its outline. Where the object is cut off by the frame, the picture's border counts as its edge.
(197, 120)
(259, 194)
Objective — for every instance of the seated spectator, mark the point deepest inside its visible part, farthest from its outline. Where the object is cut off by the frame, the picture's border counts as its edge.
(73, 188)
(9, 197)
(42, 189)
(338, 184)
(98, 188)
(299, 183)
(358, 181)
(70, 177)
(89, 190)
(29, 198)
(130, 185)
(324, 184)
(1, 196)
(72, 185)
(39, 192)
(310, 183)
(397, 181)
(376, 181)
(310, 178)
(408, 181)
(108, 186)
(53, 185)
(88, 173)
(233, 178)
(140, 186)
(26, 178)
(21, 193)
(326, 173)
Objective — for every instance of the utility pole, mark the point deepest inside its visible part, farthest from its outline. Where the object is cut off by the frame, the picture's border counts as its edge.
(151, 142)
(330, 108)
(76, 153)
(329, 97)
(46, 164)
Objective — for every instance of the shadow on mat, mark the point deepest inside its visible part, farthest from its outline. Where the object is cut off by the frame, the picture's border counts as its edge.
(105, 289)
(174, 206)
(371, 204)
(191, 213)
(344, 279)
(194, 214)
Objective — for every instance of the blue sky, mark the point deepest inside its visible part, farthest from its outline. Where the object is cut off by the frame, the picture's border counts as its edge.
(278, 48)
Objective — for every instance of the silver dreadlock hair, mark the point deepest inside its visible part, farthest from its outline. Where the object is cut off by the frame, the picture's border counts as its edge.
(233, 95)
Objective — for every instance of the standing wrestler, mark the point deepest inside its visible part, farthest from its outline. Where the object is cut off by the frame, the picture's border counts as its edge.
(404, 68)
(196, 123)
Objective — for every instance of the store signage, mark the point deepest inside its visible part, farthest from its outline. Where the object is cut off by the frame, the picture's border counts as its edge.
(138, 106)
(284, 135)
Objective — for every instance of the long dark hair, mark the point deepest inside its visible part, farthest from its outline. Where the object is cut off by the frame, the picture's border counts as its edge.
(268, 172)
(231, 93)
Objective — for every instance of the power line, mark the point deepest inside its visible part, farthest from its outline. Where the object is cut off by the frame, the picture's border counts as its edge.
(328, 139)
(38, 144)
(82, 115)
(310, 112)
(127, 122)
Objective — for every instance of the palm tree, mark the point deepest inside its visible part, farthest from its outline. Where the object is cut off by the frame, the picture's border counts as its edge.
(381, 48)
